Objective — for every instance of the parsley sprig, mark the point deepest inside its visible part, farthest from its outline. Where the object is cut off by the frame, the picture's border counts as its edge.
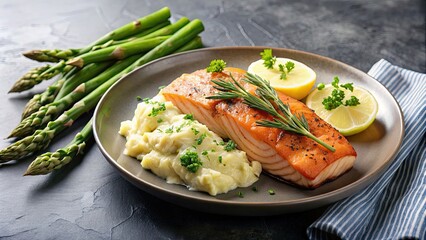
(338, 95)
(285, 69)
(269, 61)
(266, 99)
(216, 65)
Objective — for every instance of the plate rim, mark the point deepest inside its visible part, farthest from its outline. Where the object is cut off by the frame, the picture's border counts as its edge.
(342, 191)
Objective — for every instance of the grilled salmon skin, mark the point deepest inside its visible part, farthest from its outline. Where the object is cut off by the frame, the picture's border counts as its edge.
(291, 157)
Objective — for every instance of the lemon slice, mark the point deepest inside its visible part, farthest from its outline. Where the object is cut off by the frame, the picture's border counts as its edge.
(348, 120)
(298, 82)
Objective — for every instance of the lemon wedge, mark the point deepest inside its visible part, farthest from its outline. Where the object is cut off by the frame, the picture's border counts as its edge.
(348, 120)
(298, 82)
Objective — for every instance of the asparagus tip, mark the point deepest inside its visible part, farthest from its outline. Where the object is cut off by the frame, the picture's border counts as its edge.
(14, 89)
(78, 62)
(31, 54)
(29, 172)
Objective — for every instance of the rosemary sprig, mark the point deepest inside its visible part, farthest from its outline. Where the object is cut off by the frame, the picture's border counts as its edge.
(266, 99)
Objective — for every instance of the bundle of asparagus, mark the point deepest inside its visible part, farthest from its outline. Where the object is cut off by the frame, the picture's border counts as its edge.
(86, 74)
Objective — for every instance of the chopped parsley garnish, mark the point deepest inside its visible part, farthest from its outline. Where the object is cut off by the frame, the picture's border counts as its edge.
(188, 117)
(220, 159)
(335, 100)
(335, 82)
(169, 130)
(139, 99)
(195, 131)
(240, 194)
(191, 161)
(206, 153)
(268, 59)
(230, 145)
(200, 139)
(337, 95)
(161, 87)
(216, 65)
(348, 86)
(271, 192)
(156, 110)
(353, 101)
(160, 120)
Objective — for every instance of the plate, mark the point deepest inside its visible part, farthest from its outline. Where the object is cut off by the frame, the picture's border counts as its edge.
(376, 146)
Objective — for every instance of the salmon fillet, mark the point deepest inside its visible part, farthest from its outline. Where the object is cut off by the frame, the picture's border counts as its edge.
(291, 157)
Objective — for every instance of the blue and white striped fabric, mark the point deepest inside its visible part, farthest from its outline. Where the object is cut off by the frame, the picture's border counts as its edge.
(394, 207)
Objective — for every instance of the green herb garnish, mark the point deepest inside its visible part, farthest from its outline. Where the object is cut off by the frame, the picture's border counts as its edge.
(230, 145)
(200, 139)
(240, 194)
(169, 130)
(353, 101)
(348, 86)
(321, 86)
(191, 161)
(220, 159)
(195, 131)
(337, 95)
(271, 192)
(139, 99)
(268, 59)
(285, 69)
(157, 110)
(161, 87)
(216, 65)
(160, 120)
(266, 99)
(188, 117)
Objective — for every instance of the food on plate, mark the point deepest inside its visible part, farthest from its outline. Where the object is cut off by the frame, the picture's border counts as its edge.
(350, 109)
(180, 149)
(288, 76)
(291, 157)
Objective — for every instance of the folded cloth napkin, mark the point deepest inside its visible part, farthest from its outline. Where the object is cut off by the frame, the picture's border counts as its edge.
(393, 207)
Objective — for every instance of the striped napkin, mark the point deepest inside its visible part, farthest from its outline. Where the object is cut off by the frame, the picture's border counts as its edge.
(394, 207)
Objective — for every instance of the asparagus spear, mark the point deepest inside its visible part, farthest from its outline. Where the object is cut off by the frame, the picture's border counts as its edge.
(55, 55)
(41, 138)
(71, 80)
(43, 98)
(37, 75)
(133, 28)
(51, 55)
(133, 37)
(117, 52)
(167, 30)
(50, 161)
(49, 112)
(193, 44)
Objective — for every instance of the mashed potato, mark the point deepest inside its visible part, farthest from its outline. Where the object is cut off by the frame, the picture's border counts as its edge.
(181, 150)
